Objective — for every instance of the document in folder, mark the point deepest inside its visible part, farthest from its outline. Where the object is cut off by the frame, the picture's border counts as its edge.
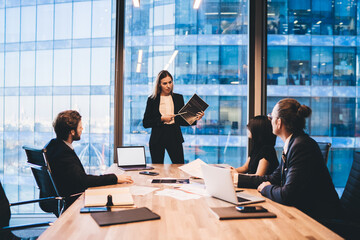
(191, 108)
(124, 216)
(98, 197)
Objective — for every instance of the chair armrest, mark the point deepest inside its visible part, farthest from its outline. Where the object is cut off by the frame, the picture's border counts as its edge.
(18, 227)
(36, 200)
(41, 168)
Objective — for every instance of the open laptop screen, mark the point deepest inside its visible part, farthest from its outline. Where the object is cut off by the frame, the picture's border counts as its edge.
(131, 156)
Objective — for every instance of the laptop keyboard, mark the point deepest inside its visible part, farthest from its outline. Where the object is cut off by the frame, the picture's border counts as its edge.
(240, 199)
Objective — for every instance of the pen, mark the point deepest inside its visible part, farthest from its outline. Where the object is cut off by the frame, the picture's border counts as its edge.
(180, 113)
(178, 188)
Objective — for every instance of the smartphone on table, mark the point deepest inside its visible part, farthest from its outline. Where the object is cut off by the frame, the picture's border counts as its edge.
(149, 173)
(93, 209)
(251, 209)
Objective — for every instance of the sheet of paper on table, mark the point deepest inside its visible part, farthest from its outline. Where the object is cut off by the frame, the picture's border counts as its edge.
(193, 168)
(196, 188)
(180, 195)
(142, 190)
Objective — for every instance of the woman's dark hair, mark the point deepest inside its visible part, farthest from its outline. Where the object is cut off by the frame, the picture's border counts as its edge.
(261, 132)
(65, 122)
(293, 114)
(157, 86)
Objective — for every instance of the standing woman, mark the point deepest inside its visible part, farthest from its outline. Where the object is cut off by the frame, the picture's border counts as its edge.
(302, 180)
(159, 115)
(262, 159)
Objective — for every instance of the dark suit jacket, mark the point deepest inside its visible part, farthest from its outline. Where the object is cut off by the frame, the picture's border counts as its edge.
(68, 173)
(152, 118)
(305, 183)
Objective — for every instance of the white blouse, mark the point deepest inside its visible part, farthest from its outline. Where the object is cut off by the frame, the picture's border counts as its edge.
(166, 107)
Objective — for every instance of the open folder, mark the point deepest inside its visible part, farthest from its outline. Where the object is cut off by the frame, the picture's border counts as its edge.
(189, 111)
(121, 196)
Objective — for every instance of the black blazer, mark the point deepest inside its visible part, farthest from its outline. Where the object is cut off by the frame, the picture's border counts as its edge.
(68, 172)
(152, 118)
(302, 181)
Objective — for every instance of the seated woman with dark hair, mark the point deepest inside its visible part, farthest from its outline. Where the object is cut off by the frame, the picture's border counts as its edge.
(262, 157)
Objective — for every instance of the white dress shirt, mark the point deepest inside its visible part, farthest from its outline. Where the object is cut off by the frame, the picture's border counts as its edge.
(286, 145)
(166, 107)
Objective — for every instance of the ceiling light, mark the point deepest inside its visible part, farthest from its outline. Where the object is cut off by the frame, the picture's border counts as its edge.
(139, 61)
(136, 3)
(196, 4)
(171, 59)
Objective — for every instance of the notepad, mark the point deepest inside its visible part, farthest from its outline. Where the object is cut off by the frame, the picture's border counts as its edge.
(98, 197)
(124, 216)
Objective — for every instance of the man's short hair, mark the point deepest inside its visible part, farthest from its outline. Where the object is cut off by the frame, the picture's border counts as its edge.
(65, 122)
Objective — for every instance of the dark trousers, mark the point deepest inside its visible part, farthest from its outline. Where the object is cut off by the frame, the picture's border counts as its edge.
(173, 147)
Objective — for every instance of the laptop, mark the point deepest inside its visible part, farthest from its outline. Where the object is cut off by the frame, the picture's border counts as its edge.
(219, 184)
(131, 158)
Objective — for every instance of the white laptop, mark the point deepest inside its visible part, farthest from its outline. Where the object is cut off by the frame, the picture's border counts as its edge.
(219, 184)
(132, 158)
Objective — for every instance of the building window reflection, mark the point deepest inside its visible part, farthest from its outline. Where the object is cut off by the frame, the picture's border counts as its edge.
(54, 55)
(316, 63)
(209, 46)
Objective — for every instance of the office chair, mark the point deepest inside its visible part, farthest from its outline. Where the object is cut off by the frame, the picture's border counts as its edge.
(348, 225)
(325, 149)
(42, 174)
(5, 229)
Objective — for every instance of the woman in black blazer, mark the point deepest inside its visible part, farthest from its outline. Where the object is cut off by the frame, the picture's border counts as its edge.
(159, 115)
(302, 179)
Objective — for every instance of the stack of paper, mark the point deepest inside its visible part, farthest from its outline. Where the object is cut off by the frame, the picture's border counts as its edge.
(98, 197)
(193, 168)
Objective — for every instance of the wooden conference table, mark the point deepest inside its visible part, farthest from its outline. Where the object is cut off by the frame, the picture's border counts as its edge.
(189, 219)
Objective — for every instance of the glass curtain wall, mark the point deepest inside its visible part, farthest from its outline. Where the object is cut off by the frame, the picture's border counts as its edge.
(54, 55)
(206, 51)
(313, 56)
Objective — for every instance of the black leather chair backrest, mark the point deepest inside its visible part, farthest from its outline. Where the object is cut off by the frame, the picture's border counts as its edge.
(4, 208)
(325, 149)
(350, 199)
(41, 172)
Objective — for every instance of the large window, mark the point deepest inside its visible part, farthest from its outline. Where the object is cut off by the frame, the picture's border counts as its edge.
(54, 55)
(313, 57)
(209, 51)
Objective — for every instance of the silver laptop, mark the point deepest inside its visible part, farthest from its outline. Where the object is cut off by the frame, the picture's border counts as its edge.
(219, 184)
(132, 158)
